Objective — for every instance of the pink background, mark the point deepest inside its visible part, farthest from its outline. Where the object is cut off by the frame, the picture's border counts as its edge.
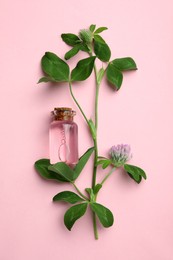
(31, 226)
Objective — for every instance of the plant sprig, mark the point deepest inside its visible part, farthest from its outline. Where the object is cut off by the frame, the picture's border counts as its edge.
(57, 70)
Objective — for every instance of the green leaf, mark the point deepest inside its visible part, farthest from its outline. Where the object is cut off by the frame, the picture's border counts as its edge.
(100, 75)
(97, 188)
(91, 194)
(55, 67)
(124, 64)
(83, 47)
(98, 38)
(135, 172)
(41, 167)
(46, 79)
(101, 49)
(67, 196)
(72, 52)
(83, 69)
(136, 178)
(101, 157)
(106, 164)
(70, 38)
(64, 170)
(135, 169)
(101, 161)
(92, 27)
(89, 190)
(92, 129)
(101, 29)
(82, 162)
(114, 76)
(104, 214)
(73, 214)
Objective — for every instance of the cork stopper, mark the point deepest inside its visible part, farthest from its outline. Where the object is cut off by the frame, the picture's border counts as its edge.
(63, 113)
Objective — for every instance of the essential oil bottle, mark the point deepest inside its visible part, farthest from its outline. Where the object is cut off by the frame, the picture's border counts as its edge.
(63, 137)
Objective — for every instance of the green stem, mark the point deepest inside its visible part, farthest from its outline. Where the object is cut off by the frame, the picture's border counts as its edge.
(96, 99)
(79, 192)
(107, 176)
(93, 186)
(96, 150)
(96, 127)
(95, 226)
(95, 166)
(81, 110)
(95, 143)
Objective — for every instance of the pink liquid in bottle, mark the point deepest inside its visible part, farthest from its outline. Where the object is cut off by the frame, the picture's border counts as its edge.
(63, 137)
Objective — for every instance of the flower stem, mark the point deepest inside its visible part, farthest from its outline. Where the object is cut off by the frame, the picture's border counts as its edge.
(79, 192)
(81, 110)
(107, 176)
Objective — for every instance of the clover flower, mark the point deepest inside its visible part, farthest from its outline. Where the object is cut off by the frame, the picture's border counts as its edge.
(86, 35)
(120, 154)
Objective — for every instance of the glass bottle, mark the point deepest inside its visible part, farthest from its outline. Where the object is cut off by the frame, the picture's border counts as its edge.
(63, 137)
